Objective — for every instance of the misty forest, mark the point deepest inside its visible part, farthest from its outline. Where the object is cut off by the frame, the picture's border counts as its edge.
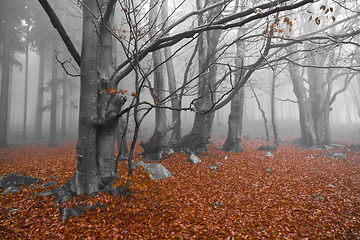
(187, 119)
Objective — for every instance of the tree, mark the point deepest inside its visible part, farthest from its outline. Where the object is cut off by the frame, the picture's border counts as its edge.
(235, 122)
(315, 101)
(12, 12)
(101, 103)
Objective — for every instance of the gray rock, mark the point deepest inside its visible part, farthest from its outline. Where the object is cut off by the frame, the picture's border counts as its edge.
(330, 185)
(141, 163)
(168, 151)
(213, 167)
(225, 157)
(193, 159)
(255, 184)
(11, 190)
(217, 163)
(157, 171)
(268, 154)
(268, 169)
(334, 154)
(50, 183)
(319, 198)
(14, 180)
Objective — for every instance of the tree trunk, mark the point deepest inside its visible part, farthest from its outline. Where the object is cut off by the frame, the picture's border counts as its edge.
(308, 136)
(154, 146)
(52, 140)
(26, 79)
(273, 111)
(5, 81)
(235, 122)
(86, 179)
(265, 122)
(175, 104)
(40, 93)
(64, 104)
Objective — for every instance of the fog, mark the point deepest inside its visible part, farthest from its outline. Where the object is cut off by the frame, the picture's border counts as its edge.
(344, 114)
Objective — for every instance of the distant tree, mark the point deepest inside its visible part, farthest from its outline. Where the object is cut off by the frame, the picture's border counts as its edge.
(12, 13)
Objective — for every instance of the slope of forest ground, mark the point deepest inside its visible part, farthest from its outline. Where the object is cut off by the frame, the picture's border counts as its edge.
(297, 194)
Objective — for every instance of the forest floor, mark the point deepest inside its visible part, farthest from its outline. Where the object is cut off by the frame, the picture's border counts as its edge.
(297, 194)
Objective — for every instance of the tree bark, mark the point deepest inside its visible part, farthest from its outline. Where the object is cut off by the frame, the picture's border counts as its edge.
(86, 178)
(5, 80)
(154, 146)
(308, 136)
(40, 92)
(53, 113)
(64, 104)
(175, 104)
(235, 121)
(273, 110)
(26, 78)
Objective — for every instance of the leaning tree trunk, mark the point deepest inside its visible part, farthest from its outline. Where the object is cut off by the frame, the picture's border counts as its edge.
(267, 135)
(5, 80)
(235, 122)
(40, 92)
(54, 82)
(153, 148)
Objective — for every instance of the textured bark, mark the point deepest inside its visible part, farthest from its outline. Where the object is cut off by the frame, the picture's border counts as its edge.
(5, 81)
(53, 111)
(86, 178)
(233, 139)
(40, 92)
(235, 121)
(108, 103)
(64, 104)
(273, 110)
(26, 79)
(308, 136)
(154, 146)
(175, 104)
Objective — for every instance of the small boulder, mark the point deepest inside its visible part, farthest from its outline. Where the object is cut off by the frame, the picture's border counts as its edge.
(319, 198)
(193, 159)
(157, 171)
(141, 163)
(11, 190)
(217, 163)
(213, 167)
(14, 180)
(335, 154)
(168, 151)
(268, 154)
